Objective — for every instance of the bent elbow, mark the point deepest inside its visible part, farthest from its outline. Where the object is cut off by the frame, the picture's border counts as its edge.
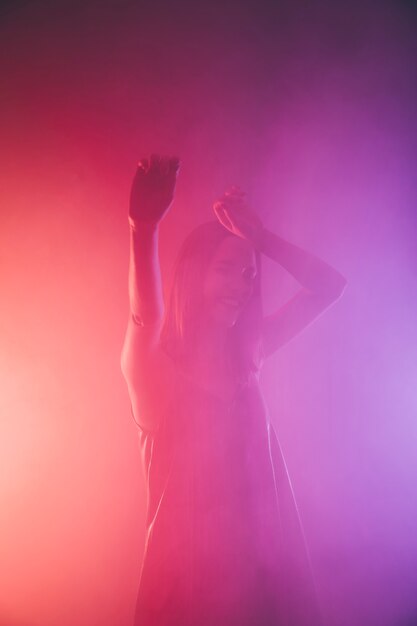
(335, 290)
(340, 288)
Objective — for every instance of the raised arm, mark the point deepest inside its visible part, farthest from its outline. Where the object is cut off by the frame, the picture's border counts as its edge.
(147, 370)
(321, 284)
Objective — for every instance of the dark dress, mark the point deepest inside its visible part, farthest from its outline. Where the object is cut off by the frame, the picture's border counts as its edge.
(224, 544)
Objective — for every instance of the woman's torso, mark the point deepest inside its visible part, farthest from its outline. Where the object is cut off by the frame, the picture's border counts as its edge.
(213, 521)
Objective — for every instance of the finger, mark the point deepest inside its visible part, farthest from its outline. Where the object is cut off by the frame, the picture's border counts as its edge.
(143, 164)
(218, 206)
(164, 166)
(225, 206)
(154, 163)
(226, 221)
(222, 216)
(219, 214)
(234, 195)
(174, 164)
(235, 191)
(233, 203)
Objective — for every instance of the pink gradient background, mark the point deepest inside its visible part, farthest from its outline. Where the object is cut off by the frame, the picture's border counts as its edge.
(313, 113)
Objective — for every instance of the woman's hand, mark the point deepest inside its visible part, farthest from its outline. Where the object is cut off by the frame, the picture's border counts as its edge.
(153, 189)
(234, 214)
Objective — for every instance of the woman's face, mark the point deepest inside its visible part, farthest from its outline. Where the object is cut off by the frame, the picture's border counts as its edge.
(229, 281)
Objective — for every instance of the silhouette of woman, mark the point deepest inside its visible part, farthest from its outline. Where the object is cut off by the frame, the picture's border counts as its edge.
(224, 544)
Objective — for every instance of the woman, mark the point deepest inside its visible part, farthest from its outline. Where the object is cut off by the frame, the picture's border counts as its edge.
(224, 545)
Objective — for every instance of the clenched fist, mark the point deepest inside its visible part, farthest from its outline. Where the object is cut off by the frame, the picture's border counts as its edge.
(153, 188)
(236, 216)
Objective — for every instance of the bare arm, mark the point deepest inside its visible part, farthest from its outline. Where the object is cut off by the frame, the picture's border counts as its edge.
(321, 284)
(147, 370)
(311, 272)
(145, 285)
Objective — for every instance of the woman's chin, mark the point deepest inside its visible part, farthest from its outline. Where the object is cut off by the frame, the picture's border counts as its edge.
(224, 317)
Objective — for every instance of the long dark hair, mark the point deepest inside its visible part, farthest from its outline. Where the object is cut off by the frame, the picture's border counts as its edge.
(183, 313)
